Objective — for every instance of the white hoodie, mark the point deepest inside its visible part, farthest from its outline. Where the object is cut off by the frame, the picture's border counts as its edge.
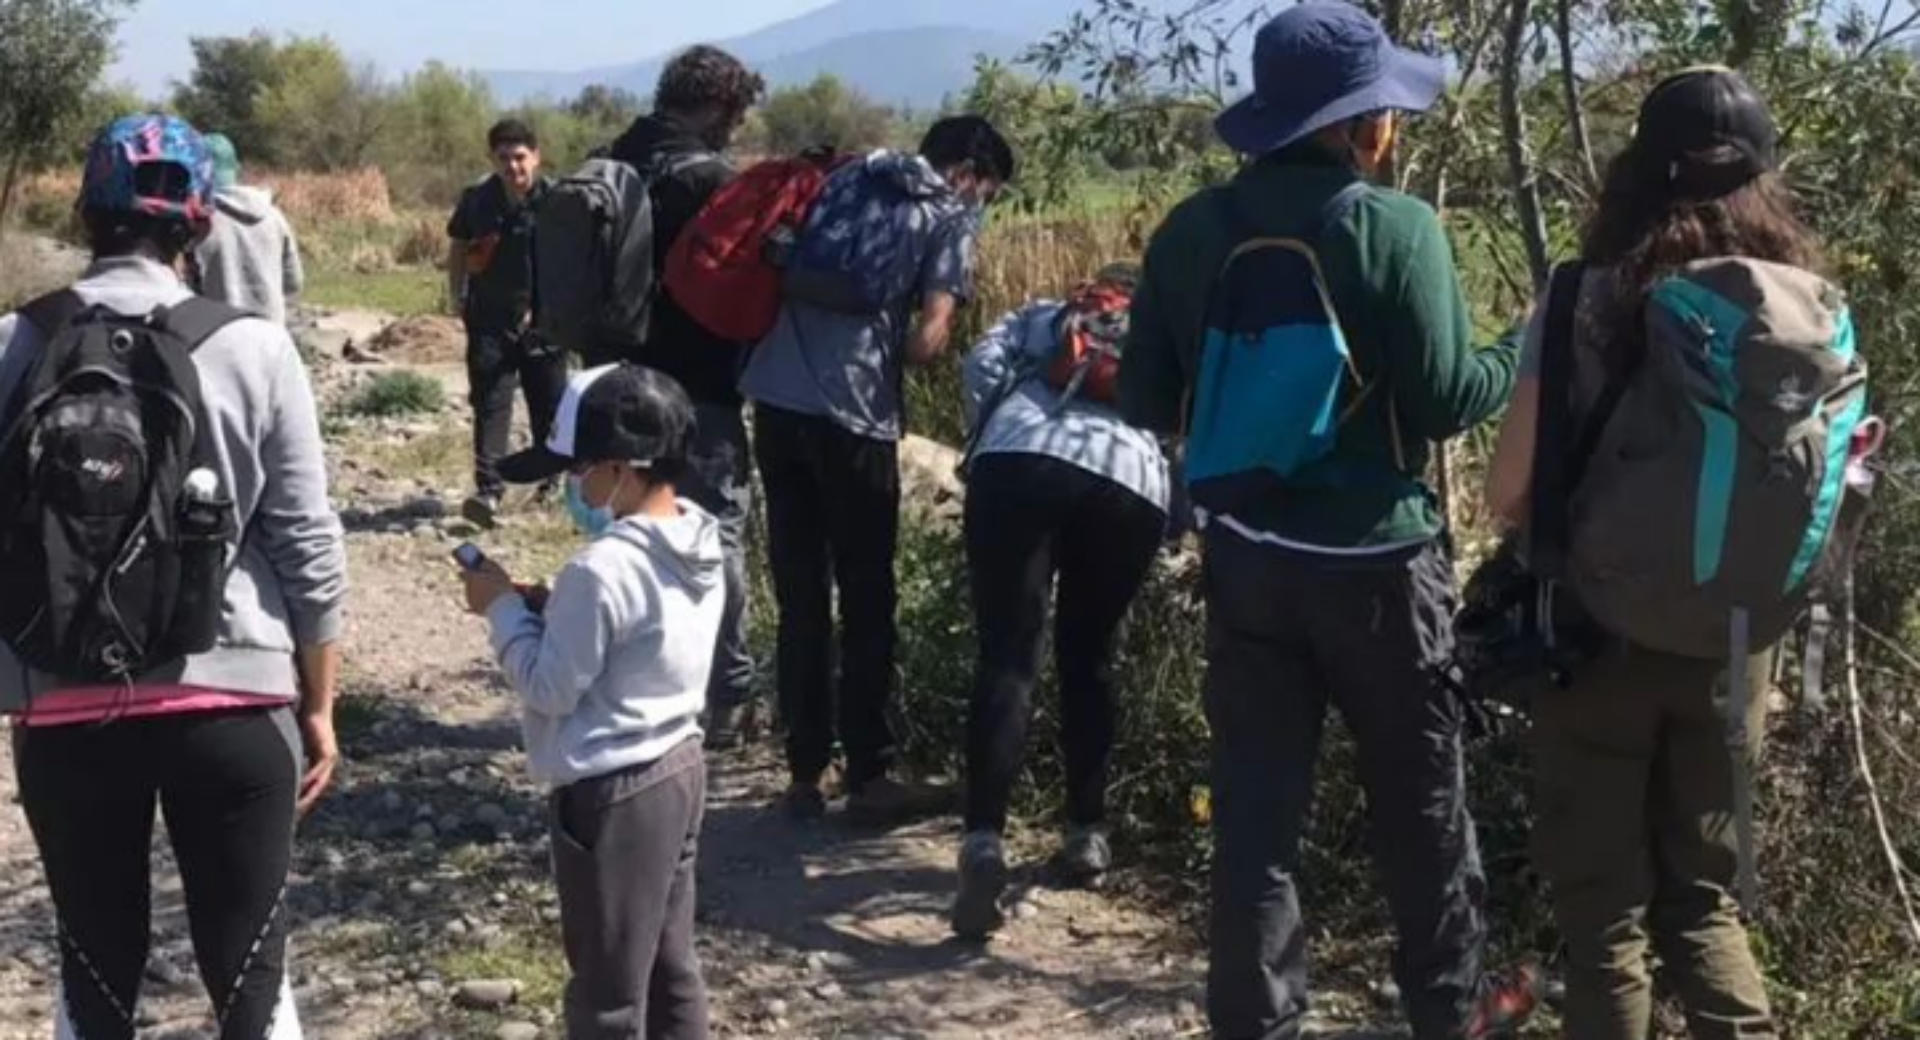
(615, 674)
(251, 260)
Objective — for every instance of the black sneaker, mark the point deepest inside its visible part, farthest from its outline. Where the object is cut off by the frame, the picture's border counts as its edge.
(1085, 859)
(983, 879)
(1506, 1003)
(482, 511)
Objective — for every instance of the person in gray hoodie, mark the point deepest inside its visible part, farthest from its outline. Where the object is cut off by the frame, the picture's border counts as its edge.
(612, 667)
(231, 743)
(251, 259)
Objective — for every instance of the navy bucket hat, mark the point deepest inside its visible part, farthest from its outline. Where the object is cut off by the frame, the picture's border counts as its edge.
(1321, 64)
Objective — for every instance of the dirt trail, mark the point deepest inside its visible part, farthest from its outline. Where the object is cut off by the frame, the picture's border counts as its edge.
(426, 871)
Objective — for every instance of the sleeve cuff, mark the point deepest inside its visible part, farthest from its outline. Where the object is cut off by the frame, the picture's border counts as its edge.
(507, 614)
(320, 628)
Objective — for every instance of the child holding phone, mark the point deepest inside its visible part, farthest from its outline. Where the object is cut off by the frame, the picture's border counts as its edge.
(612, 679)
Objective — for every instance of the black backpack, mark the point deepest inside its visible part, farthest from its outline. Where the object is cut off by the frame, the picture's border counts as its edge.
(114, 529)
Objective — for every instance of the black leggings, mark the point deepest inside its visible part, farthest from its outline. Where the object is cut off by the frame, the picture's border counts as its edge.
(226, 783)
(1030, 517)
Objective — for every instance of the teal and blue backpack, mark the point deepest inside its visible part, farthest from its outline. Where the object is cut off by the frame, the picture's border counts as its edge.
(1277, 381)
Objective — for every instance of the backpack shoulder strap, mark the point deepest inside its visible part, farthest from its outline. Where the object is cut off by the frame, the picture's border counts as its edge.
(53, 312)
(1551, 484)
(196, 319)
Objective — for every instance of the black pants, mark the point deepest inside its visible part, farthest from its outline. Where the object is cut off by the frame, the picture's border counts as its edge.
(833, 520)
(225, 783)
(624, 848)
(499, 363)
(721, 481)
(1029, 518)
(1288, 635)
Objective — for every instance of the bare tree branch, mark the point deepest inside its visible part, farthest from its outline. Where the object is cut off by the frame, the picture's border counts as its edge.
(1570, 83)
(1520, 170)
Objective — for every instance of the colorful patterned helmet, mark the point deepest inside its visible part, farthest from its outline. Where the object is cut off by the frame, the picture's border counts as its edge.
(155, 165)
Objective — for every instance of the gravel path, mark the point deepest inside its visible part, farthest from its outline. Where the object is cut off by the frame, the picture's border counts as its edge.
(424, 909)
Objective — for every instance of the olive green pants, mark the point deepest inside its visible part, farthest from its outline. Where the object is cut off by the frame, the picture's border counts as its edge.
(1635, 833)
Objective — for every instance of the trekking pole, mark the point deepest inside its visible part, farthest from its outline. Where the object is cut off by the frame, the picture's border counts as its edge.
(1739, 736)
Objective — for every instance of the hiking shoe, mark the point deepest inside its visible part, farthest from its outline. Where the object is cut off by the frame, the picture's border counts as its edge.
(482, 511)
(983, 879)
(805, 801)
(886, 802)
(1506, 1003)
(1085, 859)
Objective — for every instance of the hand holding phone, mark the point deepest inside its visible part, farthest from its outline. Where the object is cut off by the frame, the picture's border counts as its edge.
(469, 557)
(486, 580)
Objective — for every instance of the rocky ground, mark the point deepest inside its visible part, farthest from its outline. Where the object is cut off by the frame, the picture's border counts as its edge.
(421, 895)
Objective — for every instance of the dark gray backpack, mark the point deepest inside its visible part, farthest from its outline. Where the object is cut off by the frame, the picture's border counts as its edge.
(594, 256)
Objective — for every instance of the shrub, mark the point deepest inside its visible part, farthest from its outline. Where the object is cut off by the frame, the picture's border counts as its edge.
(394, 395)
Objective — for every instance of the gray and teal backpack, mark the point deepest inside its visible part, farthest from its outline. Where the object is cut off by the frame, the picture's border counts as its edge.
(1710, 501)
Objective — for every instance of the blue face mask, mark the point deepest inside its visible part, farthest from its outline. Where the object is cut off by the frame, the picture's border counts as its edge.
(591, 521)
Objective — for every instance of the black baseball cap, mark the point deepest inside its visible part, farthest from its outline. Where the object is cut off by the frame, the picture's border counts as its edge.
(615, 413)
(1708, 132)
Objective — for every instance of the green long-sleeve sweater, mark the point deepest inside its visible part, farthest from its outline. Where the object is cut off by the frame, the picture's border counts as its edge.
(1391, 275)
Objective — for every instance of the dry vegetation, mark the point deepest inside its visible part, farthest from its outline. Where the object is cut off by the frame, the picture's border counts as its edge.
(1827, 926)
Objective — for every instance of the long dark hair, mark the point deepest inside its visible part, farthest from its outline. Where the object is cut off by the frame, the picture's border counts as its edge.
(1651, 222)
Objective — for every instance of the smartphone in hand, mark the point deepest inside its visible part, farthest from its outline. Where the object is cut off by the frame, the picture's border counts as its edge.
(469, 557)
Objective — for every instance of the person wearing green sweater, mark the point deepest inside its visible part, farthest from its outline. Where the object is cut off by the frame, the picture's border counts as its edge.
(1330, 582)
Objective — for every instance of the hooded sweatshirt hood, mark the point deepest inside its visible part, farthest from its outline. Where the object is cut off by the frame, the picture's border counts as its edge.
(685, 549)
(653, 136)
(247, 204)
(912, 174)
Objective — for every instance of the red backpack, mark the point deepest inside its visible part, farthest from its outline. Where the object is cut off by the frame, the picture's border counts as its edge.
(1092, 326)
(725, 269)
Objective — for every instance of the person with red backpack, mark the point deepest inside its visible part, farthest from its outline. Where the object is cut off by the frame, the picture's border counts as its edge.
(1684, 456)
(1059, 488)
(874, 283)
(701, 102)
(176, 578)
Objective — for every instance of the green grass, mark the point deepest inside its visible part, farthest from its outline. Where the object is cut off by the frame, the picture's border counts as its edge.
(397, 394)
(529, 954)
(407, 292)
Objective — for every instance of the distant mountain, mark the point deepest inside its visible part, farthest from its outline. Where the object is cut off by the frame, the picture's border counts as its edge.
(912, 52)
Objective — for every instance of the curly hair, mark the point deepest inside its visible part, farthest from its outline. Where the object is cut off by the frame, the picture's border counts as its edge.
(707, 77)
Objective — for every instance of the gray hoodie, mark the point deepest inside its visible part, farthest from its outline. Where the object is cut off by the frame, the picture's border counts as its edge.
(251, 259)
(614, 675)
(288, 586)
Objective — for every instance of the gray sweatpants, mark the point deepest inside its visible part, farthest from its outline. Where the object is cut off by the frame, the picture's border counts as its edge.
(1288, 636)
(623, 856)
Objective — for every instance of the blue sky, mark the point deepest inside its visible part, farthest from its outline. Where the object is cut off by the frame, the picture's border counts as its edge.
(399, 35)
